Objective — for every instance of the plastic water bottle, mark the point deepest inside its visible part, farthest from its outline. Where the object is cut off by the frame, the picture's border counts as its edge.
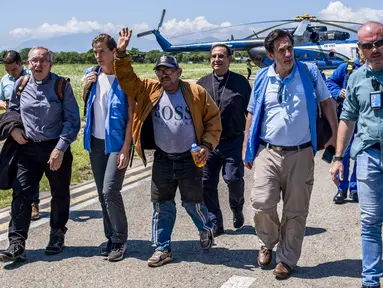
(195, 151)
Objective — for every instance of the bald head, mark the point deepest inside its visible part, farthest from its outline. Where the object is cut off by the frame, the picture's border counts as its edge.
(370, 36)
(368, 30)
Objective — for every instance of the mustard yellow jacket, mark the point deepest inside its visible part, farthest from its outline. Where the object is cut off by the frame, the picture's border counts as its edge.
(147, 93)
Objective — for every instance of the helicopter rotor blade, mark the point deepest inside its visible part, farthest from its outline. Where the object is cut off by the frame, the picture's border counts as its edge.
(231, 26)
(336, 21)
(142, 34)
(338, 26)
(162, 19)
(267, 29)
(301, 28)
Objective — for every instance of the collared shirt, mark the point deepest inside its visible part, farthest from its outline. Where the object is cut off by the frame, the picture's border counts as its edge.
(44, 115)
(287, 124)
(357, 107)
(231, 93)
(7, 83)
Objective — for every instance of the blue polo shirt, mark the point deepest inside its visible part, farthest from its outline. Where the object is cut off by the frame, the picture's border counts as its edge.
(287, 123)
(7, 83)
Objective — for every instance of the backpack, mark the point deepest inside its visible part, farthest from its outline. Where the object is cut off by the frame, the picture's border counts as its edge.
(86, 94)
(59, 86)
(324, 132)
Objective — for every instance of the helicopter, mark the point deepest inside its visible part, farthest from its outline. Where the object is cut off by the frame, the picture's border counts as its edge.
(313, 43)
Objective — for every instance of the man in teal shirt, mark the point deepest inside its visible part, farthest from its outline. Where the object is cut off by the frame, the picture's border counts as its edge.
(363, 104)
(15, 69)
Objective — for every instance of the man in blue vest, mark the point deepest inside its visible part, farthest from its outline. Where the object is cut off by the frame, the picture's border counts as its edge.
(15, 69)
(281, 136)
(337, 83)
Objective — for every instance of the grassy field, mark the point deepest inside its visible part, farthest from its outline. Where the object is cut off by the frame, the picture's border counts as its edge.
(81, 166)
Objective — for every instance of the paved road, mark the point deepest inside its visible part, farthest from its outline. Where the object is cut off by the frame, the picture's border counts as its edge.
(330, 257)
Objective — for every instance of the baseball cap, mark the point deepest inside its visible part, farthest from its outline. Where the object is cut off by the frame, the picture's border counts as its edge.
(166, 60)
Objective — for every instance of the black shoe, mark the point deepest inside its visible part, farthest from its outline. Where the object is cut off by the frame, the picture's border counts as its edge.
(238, 219)
(107, 248)
(56, 241)
(217, 231)
(354, 196)
(117, 252)
(15, 252)
(339, 197)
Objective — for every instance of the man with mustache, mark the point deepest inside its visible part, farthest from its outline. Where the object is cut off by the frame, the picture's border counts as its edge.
(170, 116)
(281, 136)
(363, 104)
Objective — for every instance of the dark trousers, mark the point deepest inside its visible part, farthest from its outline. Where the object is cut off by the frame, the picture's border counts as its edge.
(248, 73)
(32, 164)
(228, 156)
(172, 171)
(109, 182)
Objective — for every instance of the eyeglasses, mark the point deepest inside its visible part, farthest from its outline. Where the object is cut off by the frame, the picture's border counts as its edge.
(370, 45)
(220, 56)
(167, 71)
(41, 61)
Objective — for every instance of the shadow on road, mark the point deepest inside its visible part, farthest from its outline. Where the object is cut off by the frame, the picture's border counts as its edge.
(245, 230)
(85, 215)
(311, 231)
(341, 268)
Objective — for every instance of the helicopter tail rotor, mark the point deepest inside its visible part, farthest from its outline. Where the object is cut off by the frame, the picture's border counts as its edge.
(142, 34)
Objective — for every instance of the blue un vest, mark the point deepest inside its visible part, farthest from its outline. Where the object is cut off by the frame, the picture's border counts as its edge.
(117, 117)
(260, 86)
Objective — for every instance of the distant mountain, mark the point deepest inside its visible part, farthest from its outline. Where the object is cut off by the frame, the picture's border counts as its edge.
(82, 42)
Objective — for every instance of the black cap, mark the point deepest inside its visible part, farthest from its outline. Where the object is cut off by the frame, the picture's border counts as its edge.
(166, 60)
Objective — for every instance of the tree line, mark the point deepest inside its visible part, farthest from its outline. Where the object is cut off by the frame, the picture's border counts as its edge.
(136, 55)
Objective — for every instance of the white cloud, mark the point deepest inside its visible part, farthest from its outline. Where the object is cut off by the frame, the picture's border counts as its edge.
(73, 26)
(339, 11)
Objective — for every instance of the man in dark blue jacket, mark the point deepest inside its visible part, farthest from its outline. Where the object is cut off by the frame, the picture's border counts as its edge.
(337, 83)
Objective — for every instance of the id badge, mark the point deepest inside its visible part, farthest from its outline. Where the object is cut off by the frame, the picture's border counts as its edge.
(376, 99)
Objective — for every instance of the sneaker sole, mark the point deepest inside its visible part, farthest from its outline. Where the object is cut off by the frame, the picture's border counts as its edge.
(116, 259)
(53, 252)
(35, 218)
(160, 263)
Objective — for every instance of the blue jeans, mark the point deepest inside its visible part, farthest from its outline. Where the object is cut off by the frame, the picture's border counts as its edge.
(172, 171)
(164, 217)
(346, 184)
(370, 177)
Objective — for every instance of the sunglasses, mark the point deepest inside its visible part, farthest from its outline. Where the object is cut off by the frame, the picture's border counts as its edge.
(370, 45)
(167, 71)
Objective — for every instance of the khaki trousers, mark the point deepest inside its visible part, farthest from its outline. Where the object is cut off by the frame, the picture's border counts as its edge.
(292, 173)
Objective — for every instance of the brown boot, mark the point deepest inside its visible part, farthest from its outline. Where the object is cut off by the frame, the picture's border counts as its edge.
(35, 212)
(282, 271)
(264, 256)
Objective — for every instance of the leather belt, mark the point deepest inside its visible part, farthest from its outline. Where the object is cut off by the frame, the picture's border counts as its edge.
(286, 148)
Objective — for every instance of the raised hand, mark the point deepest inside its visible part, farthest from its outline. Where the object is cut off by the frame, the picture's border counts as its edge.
(124, 38)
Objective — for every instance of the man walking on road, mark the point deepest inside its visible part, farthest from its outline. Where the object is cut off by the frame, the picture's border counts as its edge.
(44, 147)
(363, 105)
(337, 83)
(281, 137)
(231, 92)
(170, 116)
(15, 69)
(107, 137)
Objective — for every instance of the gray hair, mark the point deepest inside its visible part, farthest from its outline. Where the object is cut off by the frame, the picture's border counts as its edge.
(39, 48)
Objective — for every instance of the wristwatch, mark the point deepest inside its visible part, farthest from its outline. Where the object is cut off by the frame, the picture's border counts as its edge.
(338, 158)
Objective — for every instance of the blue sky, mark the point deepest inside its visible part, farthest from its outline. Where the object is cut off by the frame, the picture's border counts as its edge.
(37, 21)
